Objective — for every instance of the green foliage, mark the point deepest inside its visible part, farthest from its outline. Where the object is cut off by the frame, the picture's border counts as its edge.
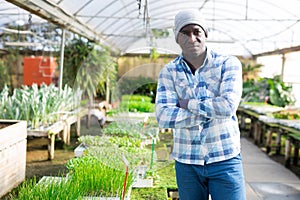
(274, 91)
(31, 190)
(166, 177)
(138, 85)
(142, 98)
(255, 91)
(88, 68)
(154, 54)
(160, 33)
(149, 194)
(250, 70)
(109, 71)
(125, 128)
(39, 106)
(76, 51)
(96, 69)
(280, 93)
(94, 178)
(287, 114)
(4, 75)
(87, 177)
(137, 103)
(111, 150)
(10, 61)
(137, 106)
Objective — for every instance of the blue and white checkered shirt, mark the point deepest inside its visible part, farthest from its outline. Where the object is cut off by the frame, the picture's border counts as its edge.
(207, 131)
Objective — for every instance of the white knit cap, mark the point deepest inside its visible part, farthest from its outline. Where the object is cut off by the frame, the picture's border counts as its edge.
(186, 17)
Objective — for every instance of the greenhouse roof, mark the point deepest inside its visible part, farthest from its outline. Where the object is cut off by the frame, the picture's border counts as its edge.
(245, 28)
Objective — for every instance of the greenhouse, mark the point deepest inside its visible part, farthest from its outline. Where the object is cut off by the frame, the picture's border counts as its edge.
(105, 99)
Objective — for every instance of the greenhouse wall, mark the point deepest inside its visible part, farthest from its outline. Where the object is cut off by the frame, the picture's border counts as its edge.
(141, 66)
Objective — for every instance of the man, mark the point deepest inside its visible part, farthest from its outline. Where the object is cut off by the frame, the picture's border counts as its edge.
(198, 94)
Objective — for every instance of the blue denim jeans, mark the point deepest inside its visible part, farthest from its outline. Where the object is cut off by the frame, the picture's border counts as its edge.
(222, 180)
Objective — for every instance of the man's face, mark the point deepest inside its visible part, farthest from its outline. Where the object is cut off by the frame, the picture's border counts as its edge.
(191, 39)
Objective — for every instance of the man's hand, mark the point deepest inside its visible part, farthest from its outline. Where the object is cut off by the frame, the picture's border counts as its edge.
(183, 103)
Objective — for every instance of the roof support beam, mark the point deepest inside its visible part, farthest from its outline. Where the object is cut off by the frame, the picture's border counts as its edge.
(54, 14)
(279, 51)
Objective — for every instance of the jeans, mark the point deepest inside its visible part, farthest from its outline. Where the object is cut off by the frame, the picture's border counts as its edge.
(222, 180)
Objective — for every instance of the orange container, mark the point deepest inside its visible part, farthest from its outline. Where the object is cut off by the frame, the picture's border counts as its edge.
(39, 70)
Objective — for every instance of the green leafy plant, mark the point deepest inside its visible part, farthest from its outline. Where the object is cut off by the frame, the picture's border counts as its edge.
(4, 75)
(124, 128)
(250, 70)
(155, 193)
(76, 51)
(137, 103)
(89, 67)
(287, 114)
(166, 177)
(109, 148)
(273, 91)
(62, 189)
(255, 91)
(39, 106)
(88, 177)
(280, 93)
(95, 178)
(137, 85)
(95, 71)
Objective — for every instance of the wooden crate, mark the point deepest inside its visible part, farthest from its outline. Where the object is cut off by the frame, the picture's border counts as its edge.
(12, 154)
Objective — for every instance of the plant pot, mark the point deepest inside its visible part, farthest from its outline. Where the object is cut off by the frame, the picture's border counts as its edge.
(141, 181)
(13, 143)
(78, 151)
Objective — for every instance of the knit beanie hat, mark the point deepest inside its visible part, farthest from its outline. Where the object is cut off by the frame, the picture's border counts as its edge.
(186, 17)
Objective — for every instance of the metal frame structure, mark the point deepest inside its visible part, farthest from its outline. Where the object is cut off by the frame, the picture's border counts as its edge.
(245, 28)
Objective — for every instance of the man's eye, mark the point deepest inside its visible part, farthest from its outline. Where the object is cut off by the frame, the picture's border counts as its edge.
(184, 33)
(197, 32)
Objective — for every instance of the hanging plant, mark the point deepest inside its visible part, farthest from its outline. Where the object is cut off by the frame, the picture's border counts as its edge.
(95, 70)
(76, 52)
(4, 74)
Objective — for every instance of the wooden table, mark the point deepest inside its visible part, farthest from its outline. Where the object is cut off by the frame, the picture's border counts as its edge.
(262, 123)
(63, 126)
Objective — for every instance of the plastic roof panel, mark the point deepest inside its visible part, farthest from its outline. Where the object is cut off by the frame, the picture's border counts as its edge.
(244, 28)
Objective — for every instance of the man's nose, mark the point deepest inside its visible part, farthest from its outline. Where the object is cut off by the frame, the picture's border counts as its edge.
(191, 37)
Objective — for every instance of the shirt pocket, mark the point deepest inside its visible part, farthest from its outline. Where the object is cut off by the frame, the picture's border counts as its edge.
(213, 85)
(183, 89)
(207, 88)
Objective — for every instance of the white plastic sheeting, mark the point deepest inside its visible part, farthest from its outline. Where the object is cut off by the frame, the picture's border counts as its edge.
(245, 27)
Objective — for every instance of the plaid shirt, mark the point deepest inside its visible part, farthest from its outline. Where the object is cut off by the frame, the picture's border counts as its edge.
(207, 131)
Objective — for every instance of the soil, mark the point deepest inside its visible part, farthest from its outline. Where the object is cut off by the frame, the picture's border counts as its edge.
(3, 124)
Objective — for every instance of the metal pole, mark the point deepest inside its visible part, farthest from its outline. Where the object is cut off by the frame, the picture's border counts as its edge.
(282, 67)
(61, 68)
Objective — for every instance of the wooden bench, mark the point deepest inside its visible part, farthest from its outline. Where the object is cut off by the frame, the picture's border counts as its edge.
(293, 139)
(263, 127)
(63, 126)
